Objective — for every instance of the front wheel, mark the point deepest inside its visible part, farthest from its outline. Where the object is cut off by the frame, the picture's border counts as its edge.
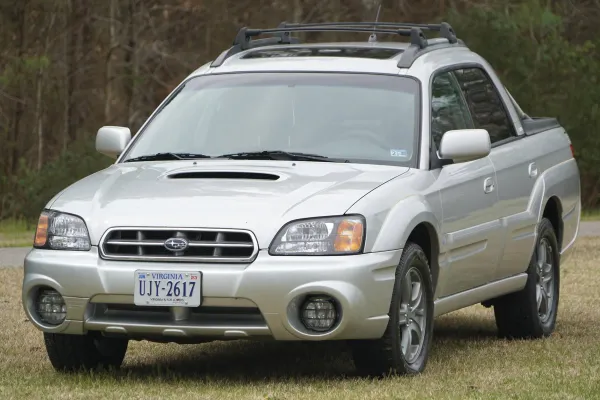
(404, 347)
(72, 353)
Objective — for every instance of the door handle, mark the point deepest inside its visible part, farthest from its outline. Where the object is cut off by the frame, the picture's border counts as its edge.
(533, 171)
(488, 185)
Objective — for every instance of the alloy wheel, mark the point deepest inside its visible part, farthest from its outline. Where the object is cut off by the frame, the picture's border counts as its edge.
(412, 319)
(544, 290)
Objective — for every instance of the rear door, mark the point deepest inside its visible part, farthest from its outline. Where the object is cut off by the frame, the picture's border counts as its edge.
(514, 162)
(470, 225)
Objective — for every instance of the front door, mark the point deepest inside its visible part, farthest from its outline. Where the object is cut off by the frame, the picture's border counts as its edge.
(471, 232)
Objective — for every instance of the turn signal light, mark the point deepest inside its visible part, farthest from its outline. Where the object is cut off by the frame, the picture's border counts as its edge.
(41, 233)
(349, 236)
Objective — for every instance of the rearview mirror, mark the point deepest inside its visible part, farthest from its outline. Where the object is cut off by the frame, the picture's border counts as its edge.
(464, 145)
(112, 140)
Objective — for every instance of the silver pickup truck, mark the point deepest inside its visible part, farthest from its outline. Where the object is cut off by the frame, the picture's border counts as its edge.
(328, 191)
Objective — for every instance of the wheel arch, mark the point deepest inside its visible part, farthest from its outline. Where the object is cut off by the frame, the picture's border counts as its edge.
(553, 211)
(425, 235)
(556, 196)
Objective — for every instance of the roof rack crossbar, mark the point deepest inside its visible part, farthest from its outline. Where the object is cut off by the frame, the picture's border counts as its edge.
(433, 27)
(417, 37)
(362, 25)
(282, 35)
(256, 32)
(444, 28)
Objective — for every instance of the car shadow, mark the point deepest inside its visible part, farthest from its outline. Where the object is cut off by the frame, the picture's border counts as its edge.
(249, 361)
(457, 327)
(259, 360)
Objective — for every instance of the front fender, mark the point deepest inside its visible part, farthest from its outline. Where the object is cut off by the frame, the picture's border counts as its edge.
(401, 220)
(390, 221)
(394, 209)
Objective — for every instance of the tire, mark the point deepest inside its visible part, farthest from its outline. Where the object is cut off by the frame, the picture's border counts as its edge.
(385, 355)
(519, 315)
(73, 353)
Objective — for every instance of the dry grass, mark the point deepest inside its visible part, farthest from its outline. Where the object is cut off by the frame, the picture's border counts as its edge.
(467, 360)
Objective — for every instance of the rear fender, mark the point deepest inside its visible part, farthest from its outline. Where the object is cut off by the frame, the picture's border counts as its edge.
(562, 181)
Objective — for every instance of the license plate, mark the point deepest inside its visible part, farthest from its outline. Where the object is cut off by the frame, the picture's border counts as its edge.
(167, 288)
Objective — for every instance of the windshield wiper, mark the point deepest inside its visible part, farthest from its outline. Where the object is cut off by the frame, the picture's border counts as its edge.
(280, 155)
(167, 156)
(248, 155)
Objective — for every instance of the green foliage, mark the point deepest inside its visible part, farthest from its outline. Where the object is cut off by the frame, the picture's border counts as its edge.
(545, 73)
(16, 226)
(35, 63)
(25, 194)
(16, 232)
(591, 215)
(23, 69)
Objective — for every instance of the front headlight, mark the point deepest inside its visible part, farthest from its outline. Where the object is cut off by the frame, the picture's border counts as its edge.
(320, 236)
(60, 231)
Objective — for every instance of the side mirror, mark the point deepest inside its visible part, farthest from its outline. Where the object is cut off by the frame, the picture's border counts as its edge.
(112, 140)
(464, 145)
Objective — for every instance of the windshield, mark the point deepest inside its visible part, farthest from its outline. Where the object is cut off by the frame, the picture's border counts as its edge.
(353, 117)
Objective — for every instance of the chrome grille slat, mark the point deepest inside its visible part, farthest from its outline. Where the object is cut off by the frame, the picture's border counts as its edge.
(204, 245)
(135, 242)
(220, 245)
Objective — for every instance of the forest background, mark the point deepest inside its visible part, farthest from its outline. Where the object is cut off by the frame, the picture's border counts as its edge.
(68, 67)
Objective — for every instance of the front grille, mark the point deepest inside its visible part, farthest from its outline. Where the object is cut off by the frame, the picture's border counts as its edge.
(203, 245)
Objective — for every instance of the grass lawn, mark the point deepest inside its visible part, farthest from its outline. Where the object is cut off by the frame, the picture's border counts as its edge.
(591, 215)
(16, 233)
(467, 359)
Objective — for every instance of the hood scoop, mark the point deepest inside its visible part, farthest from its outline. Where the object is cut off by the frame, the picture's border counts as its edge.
(260, 176)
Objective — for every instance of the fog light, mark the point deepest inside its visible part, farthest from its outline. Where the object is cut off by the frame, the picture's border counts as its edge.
(51, 307)
(319, 313)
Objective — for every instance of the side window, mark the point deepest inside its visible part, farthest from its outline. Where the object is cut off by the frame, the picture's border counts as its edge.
(448, 109)
(485, 104)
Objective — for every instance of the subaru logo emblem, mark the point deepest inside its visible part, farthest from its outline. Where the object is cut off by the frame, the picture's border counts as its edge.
(176, 244)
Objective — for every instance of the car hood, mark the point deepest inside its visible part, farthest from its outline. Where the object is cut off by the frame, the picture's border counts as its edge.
(213, 194)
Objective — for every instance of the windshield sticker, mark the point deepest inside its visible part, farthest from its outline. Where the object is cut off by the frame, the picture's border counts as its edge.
(399, 153)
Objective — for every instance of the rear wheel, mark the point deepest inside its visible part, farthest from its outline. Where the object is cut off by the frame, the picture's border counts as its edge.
(404, 347)
(532, 312)
(84, 352)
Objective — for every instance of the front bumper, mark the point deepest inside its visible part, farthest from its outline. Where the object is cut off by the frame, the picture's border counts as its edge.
(260, 299)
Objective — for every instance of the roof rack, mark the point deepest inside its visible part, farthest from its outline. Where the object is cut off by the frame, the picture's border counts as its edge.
(282, 35)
